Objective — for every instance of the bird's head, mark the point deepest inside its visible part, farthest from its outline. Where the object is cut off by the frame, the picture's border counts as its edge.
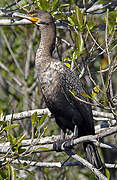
(38, 17)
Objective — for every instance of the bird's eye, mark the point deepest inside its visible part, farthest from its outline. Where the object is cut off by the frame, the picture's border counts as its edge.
(33, 15)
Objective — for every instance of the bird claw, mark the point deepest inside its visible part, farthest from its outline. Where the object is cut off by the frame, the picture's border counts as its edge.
(63, 145)
(57, 146)
(68, 144)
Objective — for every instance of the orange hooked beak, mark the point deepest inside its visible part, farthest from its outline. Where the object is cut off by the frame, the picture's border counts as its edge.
(30, 17)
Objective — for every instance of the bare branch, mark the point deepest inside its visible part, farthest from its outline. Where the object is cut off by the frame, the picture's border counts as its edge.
(40, 112)
(97, 7)
(11, 22)
(12, 54)
(27, 114)
(11, 74)
(46, 144)
(29, 51)
(50, 164)
(87, 164)
(103, 114)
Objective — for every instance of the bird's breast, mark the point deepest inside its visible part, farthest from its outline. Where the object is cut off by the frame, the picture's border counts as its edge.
(49, 77)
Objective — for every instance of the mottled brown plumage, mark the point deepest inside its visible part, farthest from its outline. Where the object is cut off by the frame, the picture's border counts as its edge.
(56, 81)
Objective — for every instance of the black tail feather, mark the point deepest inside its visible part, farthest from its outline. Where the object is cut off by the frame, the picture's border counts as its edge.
(93, 156)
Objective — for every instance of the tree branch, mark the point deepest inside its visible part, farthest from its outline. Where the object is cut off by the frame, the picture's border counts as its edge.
(51, 164)
(97, 7)
(46, 144)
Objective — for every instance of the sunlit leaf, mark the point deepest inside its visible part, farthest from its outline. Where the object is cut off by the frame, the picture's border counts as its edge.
(11, 139)
(104, 63)
(34, 118)
(55, 4)
(42, 148)
(68, 65)
(45, 129)
(95, 92)
(2, 122)
(90, 25)
(80, 43)
(71, 21)
(11, 126)
(107, 173)
(42, 119)
(79, 18)
(85, 95)
(72, 92)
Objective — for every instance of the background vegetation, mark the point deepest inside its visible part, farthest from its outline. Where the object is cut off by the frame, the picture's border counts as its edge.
(87, 43)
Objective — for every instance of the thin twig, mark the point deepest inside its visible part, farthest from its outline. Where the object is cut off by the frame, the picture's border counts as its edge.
(10, 73)
(12, 54)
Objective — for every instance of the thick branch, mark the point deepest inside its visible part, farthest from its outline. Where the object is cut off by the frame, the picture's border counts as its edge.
(40, 112)
(46, 144)
(52, 164)
(26, 114)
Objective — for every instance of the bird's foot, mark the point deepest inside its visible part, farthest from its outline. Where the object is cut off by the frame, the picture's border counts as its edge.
(68, 145)
(63, 145)
(57, 146)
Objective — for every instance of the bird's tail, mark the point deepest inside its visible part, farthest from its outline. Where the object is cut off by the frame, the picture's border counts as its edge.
(93, 156)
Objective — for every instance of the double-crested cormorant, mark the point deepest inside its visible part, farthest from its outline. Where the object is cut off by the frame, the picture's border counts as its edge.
(56, 81)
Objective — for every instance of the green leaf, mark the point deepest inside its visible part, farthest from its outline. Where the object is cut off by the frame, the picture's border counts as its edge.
(42, 119)
(71, 21)
(55, 4)
(107, 173)
(79, 18)
(85, 95)
(11, 139)
(11, 126)
(2, 122)
(1, 111)
(72, 92)
(95, 92)
(90, 25)
(80, 43)
(45, 129)
(34, 118)
(58, 15)
(67, 64)
(43, 148)
(43, 4)
(30, 80)
(112, 20)
(21, 178)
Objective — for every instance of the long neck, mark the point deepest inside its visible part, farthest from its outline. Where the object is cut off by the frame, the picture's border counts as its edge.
(47, 43)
